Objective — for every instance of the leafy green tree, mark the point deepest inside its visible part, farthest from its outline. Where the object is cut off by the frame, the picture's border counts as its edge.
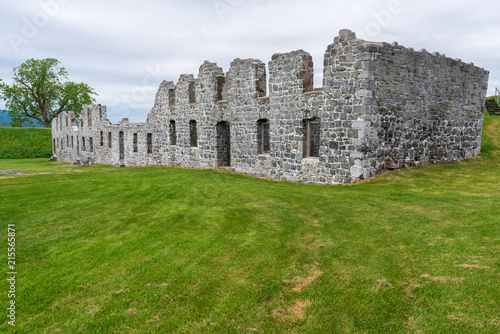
(40, 92)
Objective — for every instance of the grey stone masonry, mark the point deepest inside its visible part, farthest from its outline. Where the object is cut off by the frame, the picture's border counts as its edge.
(382, 106)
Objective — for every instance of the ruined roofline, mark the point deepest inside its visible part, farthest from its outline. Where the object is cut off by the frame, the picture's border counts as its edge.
(350, 36)
(345, 36)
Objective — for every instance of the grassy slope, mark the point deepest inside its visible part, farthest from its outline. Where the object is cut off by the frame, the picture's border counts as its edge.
(16, 143)
(169, 250)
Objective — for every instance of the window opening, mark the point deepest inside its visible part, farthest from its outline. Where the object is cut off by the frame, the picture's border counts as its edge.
(193, 134)
(311, 137)
(263, 144)
(173, 134)
(150, 143)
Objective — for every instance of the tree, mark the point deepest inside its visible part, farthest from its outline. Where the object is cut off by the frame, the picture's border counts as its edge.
(39, 93)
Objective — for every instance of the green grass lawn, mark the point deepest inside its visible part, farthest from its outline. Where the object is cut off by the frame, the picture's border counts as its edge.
(21, 143)
(165, 250)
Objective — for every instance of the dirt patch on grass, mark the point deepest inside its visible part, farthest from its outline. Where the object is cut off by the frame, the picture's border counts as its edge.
(154, 319)
(383, 284)
(460, 318)
(292, 313)
(477, 322)
(299, 307)
(411, 287)
(120, 292)
(301, 283)
(63, 302)
(156, 286)
(472, 266)
(132, 311)
(93, 309)
(12, 172)
(316, 247)
(442, 279)
(9, 174)
(411, 324)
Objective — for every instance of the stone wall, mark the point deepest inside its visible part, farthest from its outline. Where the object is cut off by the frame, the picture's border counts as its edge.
(382, 106)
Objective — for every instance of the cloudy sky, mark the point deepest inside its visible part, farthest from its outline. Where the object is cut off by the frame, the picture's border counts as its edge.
(124, 49)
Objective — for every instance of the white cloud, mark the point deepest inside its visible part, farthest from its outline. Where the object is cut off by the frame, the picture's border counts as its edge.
(113, 45)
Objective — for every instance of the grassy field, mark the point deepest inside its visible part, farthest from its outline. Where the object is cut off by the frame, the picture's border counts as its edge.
(165, 250)
(22, 143)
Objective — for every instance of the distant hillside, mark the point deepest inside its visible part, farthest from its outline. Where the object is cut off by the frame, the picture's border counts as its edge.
(5, 120)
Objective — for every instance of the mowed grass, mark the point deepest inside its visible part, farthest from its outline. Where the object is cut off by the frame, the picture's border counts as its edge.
(22, 143)
(166, 250)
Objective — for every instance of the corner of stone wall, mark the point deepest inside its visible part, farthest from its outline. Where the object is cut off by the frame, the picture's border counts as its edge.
(349, 86)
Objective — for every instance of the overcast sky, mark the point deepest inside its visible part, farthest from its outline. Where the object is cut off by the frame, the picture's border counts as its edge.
(124, 49)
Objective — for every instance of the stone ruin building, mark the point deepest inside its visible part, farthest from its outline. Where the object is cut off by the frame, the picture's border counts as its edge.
(382, 106)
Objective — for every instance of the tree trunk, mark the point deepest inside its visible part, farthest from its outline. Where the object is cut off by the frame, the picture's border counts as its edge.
(45, 118)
